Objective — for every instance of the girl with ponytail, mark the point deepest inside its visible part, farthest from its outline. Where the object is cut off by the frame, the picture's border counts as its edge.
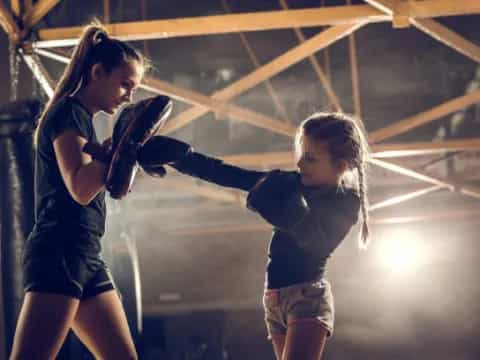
(312, 209)
(67, 284)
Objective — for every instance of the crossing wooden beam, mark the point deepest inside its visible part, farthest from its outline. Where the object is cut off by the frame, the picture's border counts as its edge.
(37, 12)
(268, 70)
(424, 117)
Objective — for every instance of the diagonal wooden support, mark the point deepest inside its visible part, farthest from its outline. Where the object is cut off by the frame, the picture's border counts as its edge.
(282, 62)
(448, 37)
(8, 24)
(205, 190)
(385, 6)
(332, 97)
(221, 24)
(37, 12)
(435, 113)
(437, 8)
(256, 63)
(16, 7)
(374, 220)
(463, 189)
(207, 25)
(207, 103)
(286, 158)
(434, 29)
(402, 198)
(189, 96)
(354, 71)
(40, 73)
(436, 215)
(424, 148)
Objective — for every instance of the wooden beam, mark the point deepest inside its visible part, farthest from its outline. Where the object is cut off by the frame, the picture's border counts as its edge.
(286, 158)
(354, 73)
(274, 67)
(256, 63)
(39, 10)
(385, 6)
(375, 220)
(205, 190)
(402, 198)
(448, 37)
(434, 215)
(222, 107)
(327, 86)
(106, 11)
(8, 23)
(471, 191)
(424, 148)
(40, 73)
(435, 113)
(16, 7)
(267, 160)
(221, 24)
(437, 8)
(192, 97)
(271, 20)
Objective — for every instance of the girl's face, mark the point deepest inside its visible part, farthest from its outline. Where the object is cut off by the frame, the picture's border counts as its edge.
(115, 88)
(315, 164)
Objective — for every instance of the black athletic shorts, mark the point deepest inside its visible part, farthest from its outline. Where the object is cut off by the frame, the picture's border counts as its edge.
(65, 271)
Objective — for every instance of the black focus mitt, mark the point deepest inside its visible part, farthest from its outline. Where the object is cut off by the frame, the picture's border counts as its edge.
(136, 124)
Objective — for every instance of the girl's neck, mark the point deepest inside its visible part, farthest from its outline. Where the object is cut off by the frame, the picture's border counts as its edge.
(87, 99)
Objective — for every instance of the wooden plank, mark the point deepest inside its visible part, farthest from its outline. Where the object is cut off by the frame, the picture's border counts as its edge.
(207, 103)
(435, 113)
(274, 67)
(394, 200)
(385, 6)
(221, 24)
(424, 148)
(467, 190)
(327, 86)
(8, 24)
(16, 7)
(354, 74)
(256, 63)
(437, 8)
(37, 12)
(201, 101)
(432, 216)
(206, 190)
(448, 37)
(374, 220)
(40, 73)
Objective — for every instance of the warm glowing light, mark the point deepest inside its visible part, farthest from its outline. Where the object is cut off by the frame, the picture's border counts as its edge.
(402, 252)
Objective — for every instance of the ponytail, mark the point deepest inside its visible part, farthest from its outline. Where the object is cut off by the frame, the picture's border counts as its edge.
(95, 47)
(72, 76)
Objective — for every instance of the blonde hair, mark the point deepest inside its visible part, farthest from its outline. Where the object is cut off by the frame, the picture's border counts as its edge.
(95, 46)
(346, 141)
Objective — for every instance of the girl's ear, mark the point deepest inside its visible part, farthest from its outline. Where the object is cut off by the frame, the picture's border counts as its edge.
(97, 71)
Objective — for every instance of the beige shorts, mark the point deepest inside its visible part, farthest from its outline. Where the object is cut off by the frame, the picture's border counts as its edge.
(297, 303)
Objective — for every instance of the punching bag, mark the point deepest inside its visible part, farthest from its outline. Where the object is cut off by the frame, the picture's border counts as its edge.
(17, 125)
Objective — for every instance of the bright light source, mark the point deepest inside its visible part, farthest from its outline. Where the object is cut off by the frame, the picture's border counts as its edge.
(401, 252)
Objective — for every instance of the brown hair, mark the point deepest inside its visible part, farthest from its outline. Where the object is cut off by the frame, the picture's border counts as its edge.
(95, 46)
(346, 141)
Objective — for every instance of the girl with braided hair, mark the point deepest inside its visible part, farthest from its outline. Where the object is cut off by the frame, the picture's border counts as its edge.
(67, 284)
(311, 209)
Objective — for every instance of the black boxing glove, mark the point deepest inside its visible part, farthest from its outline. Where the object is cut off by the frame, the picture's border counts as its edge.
(278, 198)
(161, 150)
